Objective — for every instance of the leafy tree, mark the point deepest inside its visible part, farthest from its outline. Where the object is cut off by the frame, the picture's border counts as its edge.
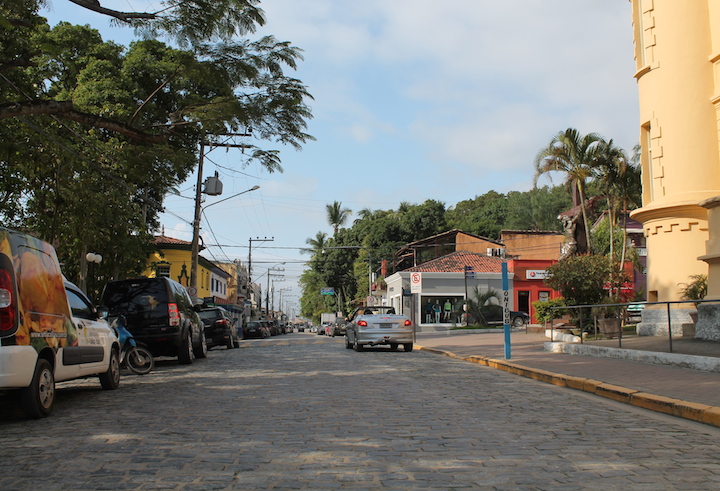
(93, 135)
(485, 215)
(536, 209)
(420, 221)
(585, 279)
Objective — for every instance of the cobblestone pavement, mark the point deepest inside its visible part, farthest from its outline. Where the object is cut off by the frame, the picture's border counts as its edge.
(302, 412)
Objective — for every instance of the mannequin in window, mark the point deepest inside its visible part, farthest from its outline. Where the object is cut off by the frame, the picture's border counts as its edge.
(447, 310)
(437, 310)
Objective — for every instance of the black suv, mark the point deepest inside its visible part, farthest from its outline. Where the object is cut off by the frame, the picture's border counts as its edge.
(220, 328)
(159, 313)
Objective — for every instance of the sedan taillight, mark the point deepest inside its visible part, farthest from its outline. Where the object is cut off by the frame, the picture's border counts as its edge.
(362, 323)
(408, 323)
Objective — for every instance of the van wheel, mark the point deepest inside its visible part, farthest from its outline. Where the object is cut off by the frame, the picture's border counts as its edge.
(110, 380)
(185, 351)
(37, 398)
(202, 349)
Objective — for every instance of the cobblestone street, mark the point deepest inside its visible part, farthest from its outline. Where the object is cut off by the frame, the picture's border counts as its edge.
(302, 412)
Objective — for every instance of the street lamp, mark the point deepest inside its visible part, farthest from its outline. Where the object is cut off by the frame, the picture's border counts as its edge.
(369, 264)
(196, 233)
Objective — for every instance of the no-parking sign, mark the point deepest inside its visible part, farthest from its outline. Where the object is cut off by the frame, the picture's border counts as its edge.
(415, 282)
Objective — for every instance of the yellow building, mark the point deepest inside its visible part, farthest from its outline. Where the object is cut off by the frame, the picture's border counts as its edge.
(677, 51)
(174, 261)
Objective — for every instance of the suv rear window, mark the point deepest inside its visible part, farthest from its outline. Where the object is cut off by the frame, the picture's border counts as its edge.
(140, 299)
(210, 315)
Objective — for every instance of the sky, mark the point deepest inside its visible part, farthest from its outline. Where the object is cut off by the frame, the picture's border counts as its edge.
(413, 100)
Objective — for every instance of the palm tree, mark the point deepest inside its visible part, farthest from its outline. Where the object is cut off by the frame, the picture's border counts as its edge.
(610, 170)
(337, 215)
(480, 300)
(317, 244)
(576, 156)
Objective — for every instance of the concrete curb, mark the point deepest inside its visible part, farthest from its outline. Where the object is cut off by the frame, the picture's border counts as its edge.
(700, 413)
(701, 363)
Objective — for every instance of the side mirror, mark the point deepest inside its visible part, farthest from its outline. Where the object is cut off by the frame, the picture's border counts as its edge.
(102, 312)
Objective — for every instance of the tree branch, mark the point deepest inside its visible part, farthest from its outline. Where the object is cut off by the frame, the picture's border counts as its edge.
(95, 6)
(65, 109)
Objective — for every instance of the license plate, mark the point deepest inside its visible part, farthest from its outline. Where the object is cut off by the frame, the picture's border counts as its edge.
(385, 325)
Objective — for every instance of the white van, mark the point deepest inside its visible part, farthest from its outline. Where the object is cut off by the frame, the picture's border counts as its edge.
(49, 330)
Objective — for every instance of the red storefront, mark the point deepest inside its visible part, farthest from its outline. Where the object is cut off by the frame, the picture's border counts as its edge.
(529, 285)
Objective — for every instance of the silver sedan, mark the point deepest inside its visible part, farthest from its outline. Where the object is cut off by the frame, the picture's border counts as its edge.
(375, 326)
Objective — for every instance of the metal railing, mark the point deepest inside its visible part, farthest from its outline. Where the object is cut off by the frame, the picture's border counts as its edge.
(624, 306)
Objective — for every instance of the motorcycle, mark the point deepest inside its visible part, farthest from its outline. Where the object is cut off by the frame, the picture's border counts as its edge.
(134, 357)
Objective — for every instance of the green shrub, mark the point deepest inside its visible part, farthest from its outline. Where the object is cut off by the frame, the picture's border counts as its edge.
(543, 311)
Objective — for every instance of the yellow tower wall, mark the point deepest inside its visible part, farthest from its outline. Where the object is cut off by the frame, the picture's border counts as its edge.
(676, 78)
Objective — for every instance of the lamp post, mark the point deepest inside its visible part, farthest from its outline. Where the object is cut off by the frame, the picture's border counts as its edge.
(90, 257)
(196, 232)
(369, 264)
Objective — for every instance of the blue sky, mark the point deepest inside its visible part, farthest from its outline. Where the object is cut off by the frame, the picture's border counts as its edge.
(413, 100)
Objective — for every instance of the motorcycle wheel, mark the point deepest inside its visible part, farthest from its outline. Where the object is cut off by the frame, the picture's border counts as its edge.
(139, 360)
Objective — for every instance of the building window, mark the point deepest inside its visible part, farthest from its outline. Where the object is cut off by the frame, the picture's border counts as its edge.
(163, 270)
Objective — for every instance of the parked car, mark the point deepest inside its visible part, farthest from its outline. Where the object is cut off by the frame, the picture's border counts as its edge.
(322, 328)
(337, 328)
(219, 328)
(374, 326)
(494, 315)
(255, 329)
(49, 330)
(159, 313)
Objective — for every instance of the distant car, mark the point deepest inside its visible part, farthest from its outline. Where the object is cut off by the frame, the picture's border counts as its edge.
(219, 328)
(337, 328)
(322, 330)
(374, 326)
(255, 329)
(274, 327)
(494, 315)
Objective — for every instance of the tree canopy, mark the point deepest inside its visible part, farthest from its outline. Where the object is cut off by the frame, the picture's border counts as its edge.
(93, 135)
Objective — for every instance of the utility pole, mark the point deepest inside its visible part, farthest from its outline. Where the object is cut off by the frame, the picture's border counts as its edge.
(267, 293)
(249, 268)
(198, 200)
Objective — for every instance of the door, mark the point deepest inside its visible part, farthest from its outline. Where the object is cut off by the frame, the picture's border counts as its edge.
(87, 357)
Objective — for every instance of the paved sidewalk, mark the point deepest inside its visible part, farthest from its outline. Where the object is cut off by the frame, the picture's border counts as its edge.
(683, 392)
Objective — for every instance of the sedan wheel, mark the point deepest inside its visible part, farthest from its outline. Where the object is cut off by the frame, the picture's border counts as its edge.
(518, 321)
(357, 346)
(348, 344)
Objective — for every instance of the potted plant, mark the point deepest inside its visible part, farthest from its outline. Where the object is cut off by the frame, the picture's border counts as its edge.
(609, 317)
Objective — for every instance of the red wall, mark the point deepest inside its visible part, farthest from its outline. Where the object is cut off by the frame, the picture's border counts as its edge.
(533, 287)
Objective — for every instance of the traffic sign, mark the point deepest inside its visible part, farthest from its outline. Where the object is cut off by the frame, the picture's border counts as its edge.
(415, 282)
(327, 290)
